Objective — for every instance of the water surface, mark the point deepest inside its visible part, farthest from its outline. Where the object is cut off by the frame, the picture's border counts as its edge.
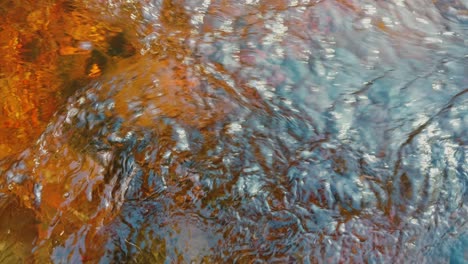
(252, 132)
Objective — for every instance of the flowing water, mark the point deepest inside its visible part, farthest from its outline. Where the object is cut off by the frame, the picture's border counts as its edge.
(208, 131)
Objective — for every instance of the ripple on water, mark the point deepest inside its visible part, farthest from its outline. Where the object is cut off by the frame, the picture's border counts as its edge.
(270, 132)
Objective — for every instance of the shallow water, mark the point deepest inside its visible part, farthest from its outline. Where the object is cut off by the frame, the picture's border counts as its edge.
(252, 132)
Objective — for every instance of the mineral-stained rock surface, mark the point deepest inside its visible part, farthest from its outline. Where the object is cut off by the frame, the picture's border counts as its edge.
(251, 132)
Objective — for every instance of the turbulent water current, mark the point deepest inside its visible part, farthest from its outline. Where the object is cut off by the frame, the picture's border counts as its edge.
(256, 131)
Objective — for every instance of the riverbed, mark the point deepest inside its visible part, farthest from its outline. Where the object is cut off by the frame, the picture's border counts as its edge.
(205, 131)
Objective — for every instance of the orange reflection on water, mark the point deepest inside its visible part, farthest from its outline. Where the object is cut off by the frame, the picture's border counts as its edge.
(49, 50)
(46, 55)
